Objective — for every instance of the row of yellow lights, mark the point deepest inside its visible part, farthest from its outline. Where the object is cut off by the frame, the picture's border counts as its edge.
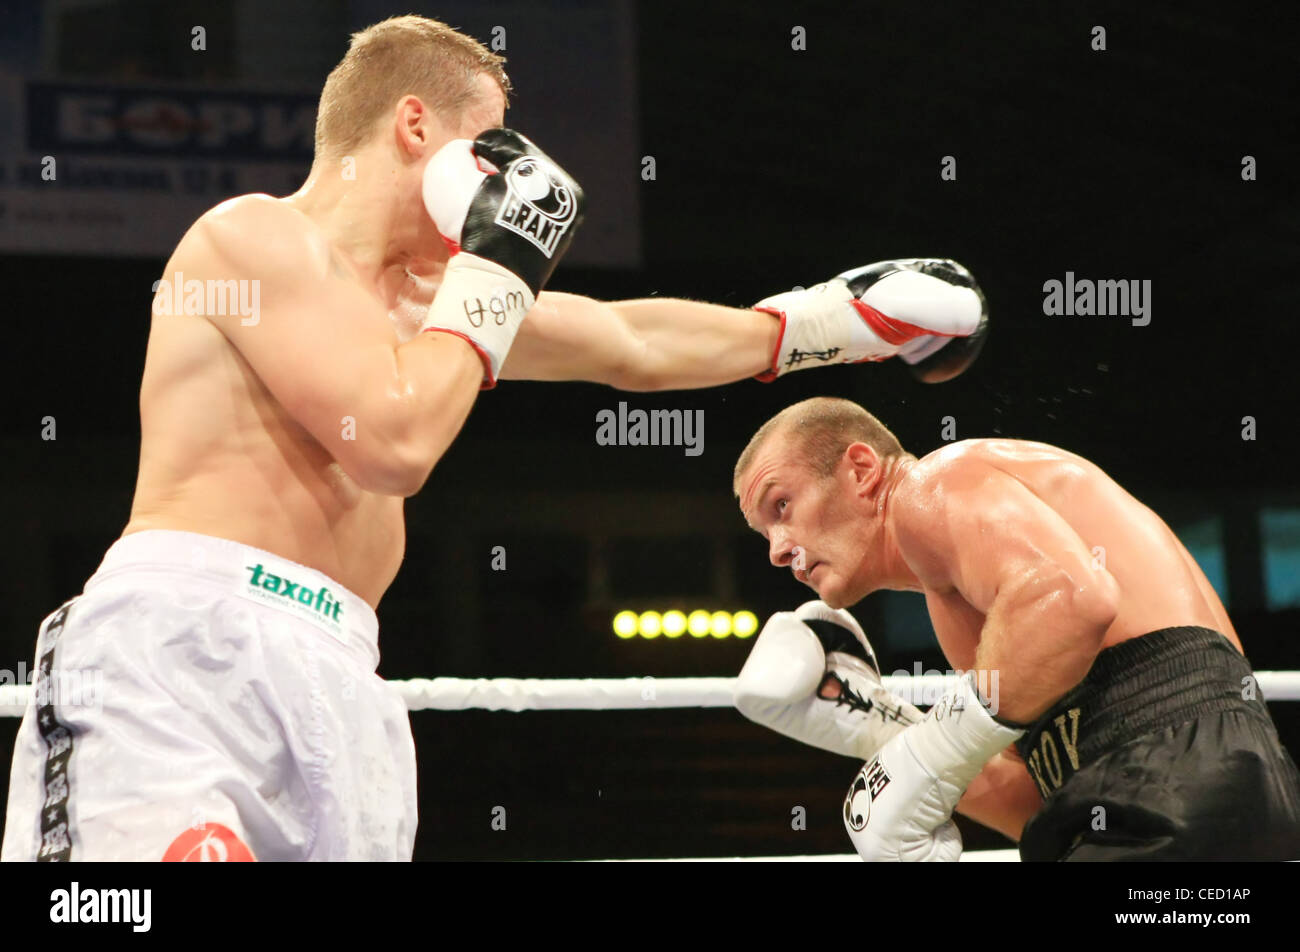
(674, 624)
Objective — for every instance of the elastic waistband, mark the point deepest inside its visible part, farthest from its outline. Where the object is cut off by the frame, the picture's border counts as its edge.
(1161, 679)
(248, 572)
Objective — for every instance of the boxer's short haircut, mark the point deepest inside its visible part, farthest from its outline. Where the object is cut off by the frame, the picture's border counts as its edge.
(821, 429)
(395, 57)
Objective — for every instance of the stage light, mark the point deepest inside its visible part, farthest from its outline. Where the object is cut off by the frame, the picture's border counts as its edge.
(650, 624)
(720, 624)
(625, 624)
(674, 623)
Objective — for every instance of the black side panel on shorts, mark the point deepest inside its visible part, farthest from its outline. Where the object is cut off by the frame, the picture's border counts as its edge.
(56, 843)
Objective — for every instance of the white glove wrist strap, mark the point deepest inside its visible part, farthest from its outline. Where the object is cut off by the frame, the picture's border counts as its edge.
(822, 327)
(959, 736)
(483, 302)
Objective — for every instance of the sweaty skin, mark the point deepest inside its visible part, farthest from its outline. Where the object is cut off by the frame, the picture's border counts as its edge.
(1031, 560)
(300, 429)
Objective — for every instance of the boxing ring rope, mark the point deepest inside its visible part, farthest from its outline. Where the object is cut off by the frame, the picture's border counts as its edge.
(626, 694)
(647, 693)
(595, 694)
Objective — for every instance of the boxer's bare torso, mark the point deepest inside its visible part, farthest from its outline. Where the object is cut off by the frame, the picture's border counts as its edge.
(1074, 516)
(245, 420)
(1160, 585)
(221, 456)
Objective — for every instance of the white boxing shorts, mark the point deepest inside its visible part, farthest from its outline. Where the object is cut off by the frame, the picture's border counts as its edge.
(204, 700)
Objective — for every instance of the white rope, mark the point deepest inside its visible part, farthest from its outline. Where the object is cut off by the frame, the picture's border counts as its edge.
(537, 694)
(557, 694)
(611, 694)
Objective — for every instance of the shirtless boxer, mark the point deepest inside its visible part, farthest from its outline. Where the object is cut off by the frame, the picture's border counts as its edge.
(233, 622)
(1137, 730)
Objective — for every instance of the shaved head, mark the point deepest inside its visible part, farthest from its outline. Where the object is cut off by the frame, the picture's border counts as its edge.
(820, 430)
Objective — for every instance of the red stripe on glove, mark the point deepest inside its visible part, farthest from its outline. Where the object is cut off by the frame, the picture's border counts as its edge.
(771, 374)
(893, 331)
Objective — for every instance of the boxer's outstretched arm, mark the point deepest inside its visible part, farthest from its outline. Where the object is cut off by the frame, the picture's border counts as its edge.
(650, 344)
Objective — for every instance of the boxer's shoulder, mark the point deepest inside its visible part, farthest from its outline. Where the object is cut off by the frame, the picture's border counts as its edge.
(919, 513)
(944, 497)
(252, 205)
(239, 216)
(258, 233)
(1006, 454)
(957, 467)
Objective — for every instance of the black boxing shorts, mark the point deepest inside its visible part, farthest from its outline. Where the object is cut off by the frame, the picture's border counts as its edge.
(1165, 751)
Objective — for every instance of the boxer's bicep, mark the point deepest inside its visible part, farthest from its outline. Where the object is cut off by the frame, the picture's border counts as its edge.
(1047, 603)
(571, 337)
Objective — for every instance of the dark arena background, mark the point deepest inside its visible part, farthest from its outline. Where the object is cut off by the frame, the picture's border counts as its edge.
(729, 151)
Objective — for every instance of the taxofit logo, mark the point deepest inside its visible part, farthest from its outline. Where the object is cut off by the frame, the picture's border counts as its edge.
(320, 601)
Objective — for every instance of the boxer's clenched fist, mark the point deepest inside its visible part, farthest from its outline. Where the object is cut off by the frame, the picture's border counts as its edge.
(812, 676)
(507, 213)
(927, 311)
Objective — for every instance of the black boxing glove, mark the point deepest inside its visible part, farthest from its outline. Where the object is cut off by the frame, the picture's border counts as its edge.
(507, 213)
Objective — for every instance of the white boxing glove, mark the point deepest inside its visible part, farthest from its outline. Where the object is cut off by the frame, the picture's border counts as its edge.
(900, 805)
(927, 311)
(793, 656)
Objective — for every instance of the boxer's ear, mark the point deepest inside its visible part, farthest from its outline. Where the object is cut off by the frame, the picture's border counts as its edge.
(865, 465)
(412, 125)
(419, 130)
